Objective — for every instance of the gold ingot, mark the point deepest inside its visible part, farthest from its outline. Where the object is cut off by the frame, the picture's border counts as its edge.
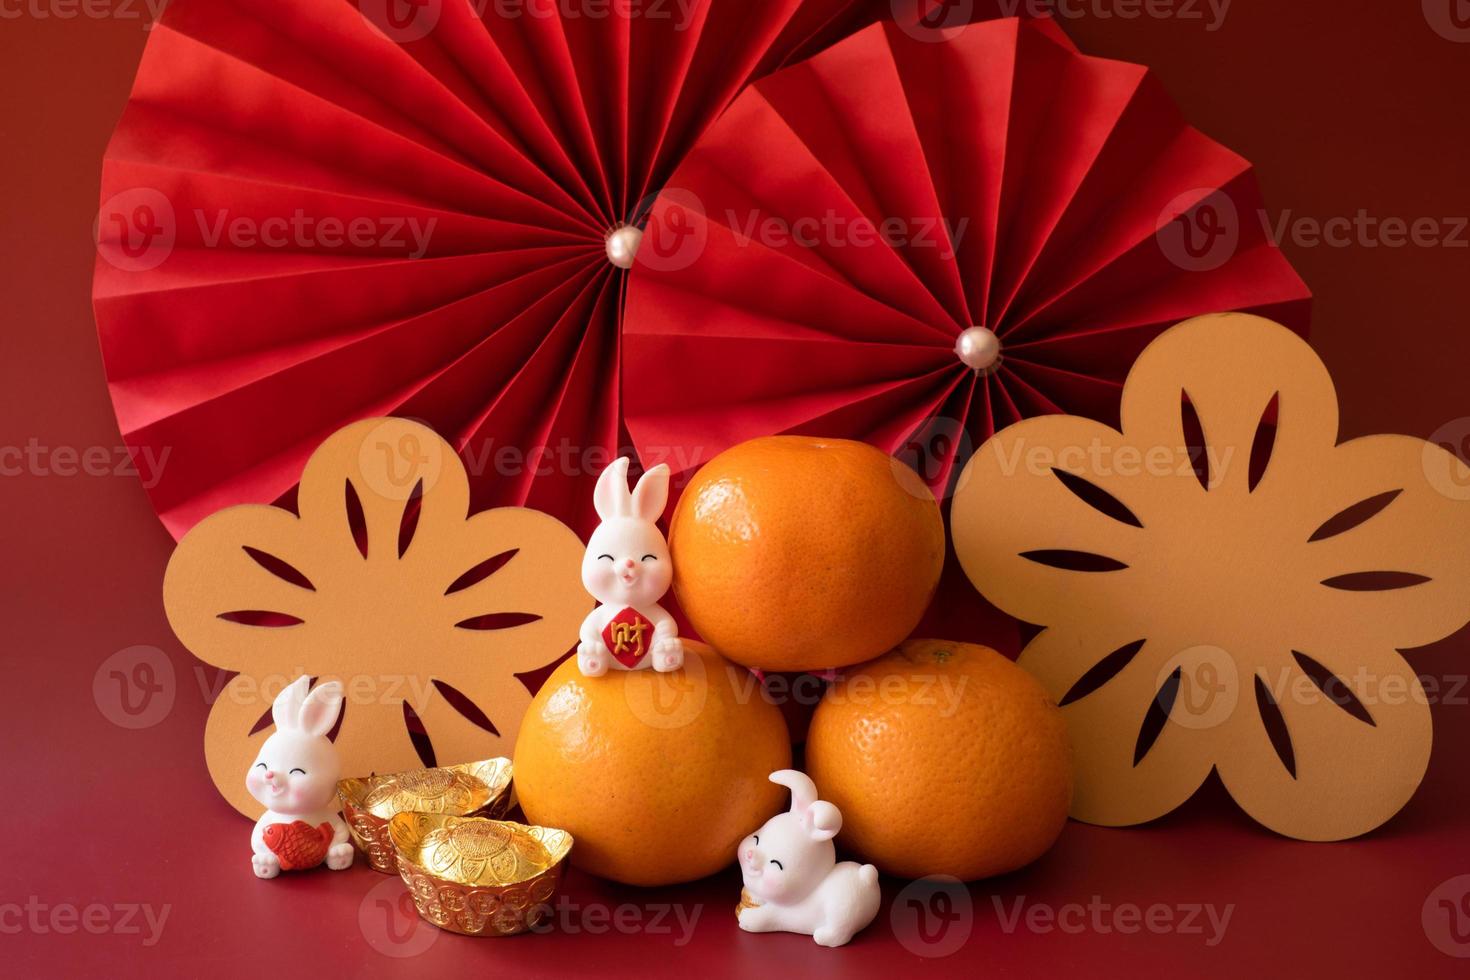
(480, 789)
(479, 877)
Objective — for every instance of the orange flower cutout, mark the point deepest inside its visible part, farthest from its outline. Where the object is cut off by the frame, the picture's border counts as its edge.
(1224, 586)
(382, 582)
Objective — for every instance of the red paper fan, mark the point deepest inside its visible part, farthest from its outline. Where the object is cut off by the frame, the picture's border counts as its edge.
(991, 178)
(316, 211)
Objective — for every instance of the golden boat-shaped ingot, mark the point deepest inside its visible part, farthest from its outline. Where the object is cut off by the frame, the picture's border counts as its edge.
(479, 877)
(480, 789)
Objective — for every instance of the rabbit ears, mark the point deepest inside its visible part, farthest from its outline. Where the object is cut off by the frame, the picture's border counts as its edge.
(820, 819)
(296, 710)
(646, 502)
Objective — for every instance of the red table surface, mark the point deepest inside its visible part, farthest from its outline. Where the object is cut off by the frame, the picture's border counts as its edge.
(1344, 105)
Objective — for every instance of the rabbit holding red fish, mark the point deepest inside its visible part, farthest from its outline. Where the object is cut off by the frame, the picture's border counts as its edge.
(295, 778)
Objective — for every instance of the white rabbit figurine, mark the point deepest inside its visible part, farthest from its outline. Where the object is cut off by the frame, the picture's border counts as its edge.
(792, 875)
(295, 777)
(627, 569)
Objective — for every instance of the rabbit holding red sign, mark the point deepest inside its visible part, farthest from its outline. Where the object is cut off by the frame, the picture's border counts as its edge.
(627, 569)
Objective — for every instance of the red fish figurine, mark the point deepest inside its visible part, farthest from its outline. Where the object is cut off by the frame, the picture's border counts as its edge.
(298, 844)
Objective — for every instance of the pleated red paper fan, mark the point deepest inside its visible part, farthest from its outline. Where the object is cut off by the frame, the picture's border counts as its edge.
(316, 211)
(991, 184)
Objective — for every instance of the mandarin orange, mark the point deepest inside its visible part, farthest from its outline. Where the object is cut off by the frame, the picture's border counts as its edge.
(945, 759)
(795, 554)
(656, 776)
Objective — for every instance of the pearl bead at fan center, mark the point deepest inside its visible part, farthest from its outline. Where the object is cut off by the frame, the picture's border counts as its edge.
(622, 245)
(979, 349)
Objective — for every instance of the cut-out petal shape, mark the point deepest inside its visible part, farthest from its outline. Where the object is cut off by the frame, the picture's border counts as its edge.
(497, 621)
(411, 656)
(1074, 561)
(480, 572)
(1102, 672)
(278, 568)
(1107, 725)
(1096, 497)
(1374, 581)
(1333, 687)
(1350, 517)
(1272, 631)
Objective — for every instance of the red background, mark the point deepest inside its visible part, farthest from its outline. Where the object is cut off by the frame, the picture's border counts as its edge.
(1342, 104)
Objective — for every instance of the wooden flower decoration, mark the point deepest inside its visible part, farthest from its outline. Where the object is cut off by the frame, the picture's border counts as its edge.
(384, 583)
(1224, 586)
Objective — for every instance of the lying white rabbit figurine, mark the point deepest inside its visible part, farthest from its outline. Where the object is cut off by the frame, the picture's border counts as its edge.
(627, 569)
(295, 777)
(791, 872)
